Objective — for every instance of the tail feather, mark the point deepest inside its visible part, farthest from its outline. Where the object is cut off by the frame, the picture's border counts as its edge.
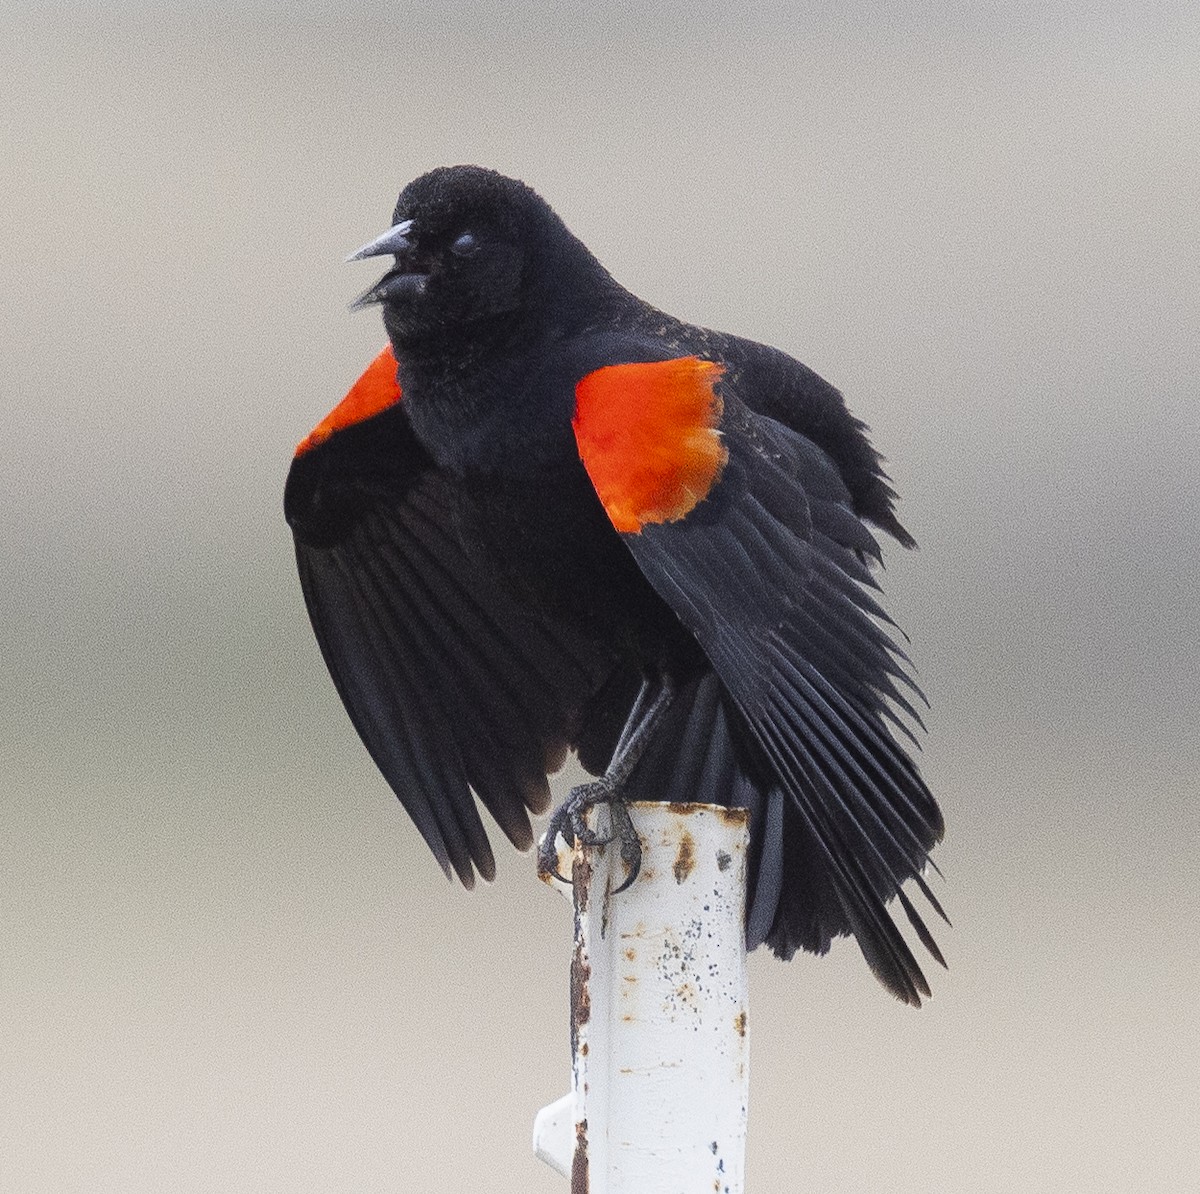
(837, 823)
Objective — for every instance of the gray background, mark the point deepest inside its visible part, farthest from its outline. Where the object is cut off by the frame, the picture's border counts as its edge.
(227, 962)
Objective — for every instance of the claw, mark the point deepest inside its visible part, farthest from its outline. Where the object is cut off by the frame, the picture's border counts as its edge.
(569, 822)
(631, 844)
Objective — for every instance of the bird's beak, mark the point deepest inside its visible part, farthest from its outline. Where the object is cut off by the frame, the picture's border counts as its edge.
(394, 240)
(397, 282)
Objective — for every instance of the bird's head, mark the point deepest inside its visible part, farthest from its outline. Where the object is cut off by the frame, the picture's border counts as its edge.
(469, 245)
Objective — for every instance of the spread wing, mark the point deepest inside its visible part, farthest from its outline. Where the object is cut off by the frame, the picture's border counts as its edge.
(453, 688)
(746, 530)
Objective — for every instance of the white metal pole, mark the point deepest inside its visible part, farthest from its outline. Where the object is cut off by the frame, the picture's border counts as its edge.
(659, 1031)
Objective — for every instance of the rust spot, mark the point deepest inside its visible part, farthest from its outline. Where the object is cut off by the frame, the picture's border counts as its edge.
(579, 1162)
(724, 858)
(733, 816)
(583, 1049)
(581, 996)
(681, 808)
(581, 879)
(739, 1023)
(685, 859)
(630, 955)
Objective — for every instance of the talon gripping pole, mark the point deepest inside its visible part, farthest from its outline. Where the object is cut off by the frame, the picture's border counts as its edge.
(659, 1030)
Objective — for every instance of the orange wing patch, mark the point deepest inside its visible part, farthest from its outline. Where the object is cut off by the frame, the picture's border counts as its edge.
(647, 435)
(375, 391)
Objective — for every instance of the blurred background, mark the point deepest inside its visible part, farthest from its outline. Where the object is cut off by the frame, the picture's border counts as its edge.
(226, 960)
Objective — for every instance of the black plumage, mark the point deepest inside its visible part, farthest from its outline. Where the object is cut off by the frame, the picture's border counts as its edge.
(481, 615)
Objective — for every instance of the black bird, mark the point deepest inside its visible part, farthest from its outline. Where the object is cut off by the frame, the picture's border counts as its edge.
(551, 517)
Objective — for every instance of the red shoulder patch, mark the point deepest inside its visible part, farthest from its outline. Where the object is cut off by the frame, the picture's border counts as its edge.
(647, 435)
(375, 391)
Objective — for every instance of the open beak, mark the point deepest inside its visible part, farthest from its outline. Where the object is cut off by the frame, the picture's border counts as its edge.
(396, 283)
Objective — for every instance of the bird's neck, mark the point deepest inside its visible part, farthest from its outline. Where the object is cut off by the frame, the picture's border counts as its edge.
(468, 401)
(476, 395)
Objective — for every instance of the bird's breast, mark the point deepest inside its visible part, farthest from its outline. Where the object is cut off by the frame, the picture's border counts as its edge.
(546, 537)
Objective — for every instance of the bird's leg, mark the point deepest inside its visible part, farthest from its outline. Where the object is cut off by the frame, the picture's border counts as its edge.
(570, 819)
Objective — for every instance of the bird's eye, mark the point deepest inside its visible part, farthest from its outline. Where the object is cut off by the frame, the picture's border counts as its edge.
(465, 246)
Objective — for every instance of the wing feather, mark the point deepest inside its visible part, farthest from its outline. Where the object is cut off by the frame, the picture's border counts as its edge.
(768, 573)
(455, 689)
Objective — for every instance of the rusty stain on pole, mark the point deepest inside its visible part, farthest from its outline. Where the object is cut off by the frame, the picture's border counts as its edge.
(660, 1073)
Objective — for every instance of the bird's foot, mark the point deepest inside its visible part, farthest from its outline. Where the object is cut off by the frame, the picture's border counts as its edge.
(569, 821)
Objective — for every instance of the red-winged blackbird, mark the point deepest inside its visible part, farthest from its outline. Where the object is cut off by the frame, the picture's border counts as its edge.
(588, 525)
